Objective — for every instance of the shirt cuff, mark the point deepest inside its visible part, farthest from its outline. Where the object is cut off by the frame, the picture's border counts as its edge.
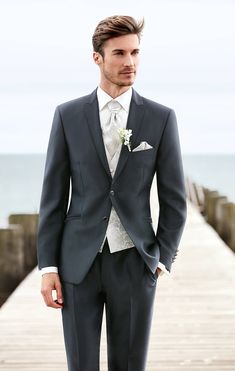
(48, 270)
(163, 269)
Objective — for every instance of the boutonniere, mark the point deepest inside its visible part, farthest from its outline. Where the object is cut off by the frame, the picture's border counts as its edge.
(125, 135)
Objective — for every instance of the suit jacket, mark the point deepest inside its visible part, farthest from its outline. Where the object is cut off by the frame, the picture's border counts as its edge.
(69, 236)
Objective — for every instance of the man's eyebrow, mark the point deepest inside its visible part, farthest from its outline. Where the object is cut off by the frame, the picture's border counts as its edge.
(117, 50)
(122, 50)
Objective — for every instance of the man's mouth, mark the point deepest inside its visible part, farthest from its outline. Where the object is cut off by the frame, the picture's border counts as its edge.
(127, 72)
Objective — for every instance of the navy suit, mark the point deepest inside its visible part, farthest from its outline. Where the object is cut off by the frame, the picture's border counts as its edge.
(70, 237)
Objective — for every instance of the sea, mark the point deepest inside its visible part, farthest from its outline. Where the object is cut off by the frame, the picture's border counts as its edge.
(21, 177)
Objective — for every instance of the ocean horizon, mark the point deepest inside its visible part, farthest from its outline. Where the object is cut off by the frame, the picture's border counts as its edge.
(21, 177)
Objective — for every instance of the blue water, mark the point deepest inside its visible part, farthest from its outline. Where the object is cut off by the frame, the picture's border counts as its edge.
(20, 184)
(21, 179)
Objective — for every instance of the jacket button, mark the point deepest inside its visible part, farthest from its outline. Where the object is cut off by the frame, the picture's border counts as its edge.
(112, 193)
(105, 217)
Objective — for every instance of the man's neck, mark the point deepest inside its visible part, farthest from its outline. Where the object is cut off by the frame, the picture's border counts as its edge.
(114, 91)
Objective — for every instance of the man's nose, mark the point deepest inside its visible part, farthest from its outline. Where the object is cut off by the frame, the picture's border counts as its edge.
(129, 61)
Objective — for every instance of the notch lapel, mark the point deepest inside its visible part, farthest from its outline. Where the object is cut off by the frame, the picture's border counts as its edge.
(93, 121)
(135, 118)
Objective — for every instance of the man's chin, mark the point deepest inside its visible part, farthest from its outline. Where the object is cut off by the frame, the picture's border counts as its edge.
(126, 83)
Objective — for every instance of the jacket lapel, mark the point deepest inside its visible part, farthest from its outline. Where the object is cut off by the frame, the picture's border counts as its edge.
(135, 118)
(93, 121)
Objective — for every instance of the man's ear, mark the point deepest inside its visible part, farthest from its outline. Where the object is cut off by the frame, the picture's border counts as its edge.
(97, 57)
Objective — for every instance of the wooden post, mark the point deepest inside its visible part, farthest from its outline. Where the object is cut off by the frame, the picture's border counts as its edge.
(186, 182)
(226, 221)
(219, 211)
(214, 216)
(200, 197)
(11, 259)
(209, 205)
(191, 192)
(29, 223)
(232, 227)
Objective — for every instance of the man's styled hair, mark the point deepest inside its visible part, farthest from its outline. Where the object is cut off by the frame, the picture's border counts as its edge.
(117, 25)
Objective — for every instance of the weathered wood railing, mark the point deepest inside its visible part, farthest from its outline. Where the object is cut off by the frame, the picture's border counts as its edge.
(17, 251)
(218, 211)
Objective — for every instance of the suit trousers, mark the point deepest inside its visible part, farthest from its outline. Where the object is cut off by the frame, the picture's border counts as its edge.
(123, 284)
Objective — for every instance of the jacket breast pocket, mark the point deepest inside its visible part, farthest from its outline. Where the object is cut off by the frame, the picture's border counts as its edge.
(144, 158)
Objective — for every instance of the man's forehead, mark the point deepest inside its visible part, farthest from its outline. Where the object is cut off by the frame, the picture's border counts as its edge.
(123, 42)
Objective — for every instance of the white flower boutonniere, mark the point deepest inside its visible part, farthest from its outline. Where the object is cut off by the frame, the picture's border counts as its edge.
(125, 135)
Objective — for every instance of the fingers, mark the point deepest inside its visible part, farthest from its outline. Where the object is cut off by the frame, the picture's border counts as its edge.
(59, 293)
(158, 271)
(50, 282)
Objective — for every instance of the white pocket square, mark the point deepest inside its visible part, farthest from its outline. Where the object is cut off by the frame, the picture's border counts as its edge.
(142, 147)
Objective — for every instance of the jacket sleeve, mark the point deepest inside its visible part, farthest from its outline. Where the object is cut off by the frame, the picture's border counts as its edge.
(171, 192)
(54, 197)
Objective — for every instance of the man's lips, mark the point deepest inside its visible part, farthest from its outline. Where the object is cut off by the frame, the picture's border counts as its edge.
(127, 72)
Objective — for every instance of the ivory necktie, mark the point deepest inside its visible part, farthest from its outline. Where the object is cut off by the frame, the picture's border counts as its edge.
(112, 139)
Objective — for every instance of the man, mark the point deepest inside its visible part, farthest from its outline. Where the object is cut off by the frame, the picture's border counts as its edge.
(102, 250)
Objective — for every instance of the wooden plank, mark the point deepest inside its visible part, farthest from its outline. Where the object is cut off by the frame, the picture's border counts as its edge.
(193, 321)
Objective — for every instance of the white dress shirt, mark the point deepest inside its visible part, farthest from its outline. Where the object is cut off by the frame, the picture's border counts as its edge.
(116, 235)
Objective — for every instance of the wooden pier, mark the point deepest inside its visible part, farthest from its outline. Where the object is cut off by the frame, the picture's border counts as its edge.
(193, 323)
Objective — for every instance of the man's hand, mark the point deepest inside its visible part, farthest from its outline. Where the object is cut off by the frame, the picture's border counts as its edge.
(158, 271)
(50, 282)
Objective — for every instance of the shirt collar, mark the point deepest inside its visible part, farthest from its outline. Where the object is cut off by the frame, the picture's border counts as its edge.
(124, 99)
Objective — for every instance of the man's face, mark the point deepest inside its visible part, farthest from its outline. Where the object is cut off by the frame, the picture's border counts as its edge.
(120, 61)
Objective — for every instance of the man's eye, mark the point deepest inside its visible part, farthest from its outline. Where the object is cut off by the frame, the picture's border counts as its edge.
(118, 53)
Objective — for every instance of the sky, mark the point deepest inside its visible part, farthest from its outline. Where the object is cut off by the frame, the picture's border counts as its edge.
(187, 62)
